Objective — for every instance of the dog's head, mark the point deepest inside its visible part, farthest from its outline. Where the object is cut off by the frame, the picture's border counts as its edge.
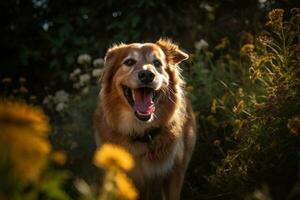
(140, 78)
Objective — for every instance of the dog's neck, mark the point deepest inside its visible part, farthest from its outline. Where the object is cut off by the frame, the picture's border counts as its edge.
(148, 136)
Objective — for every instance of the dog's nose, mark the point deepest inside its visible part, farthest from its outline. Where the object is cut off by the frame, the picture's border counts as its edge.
(146, 76)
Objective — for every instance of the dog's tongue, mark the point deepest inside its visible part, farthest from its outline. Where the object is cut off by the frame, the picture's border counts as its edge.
(143, 101)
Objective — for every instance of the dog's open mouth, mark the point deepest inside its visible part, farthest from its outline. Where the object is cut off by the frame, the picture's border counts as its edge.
(142, 101)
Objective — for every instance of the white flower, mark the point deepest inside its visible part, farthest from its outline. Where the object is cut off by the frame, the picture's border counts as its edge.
(85, 90)
(60, 106)
(76, 85)
(48, 99)
(61, 96)
(77, 71)
(98, 62)
(262, 1)
(96, 72)
(201, 44)
(207, 7)
(84, 59)
(72, 76)
(84, 78)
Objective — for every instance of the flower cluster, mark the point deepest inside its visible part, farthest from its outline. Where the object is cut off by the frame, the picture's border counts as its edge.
(17, 88)
(25, 152)
(275, 18)
(59, 100)
(24, 132)
(259, 124)
(294, 125)
(112, 156)
(82, 78)
(116, 161)
(223, 44)
(247, 49)
(201, 44)
(84, 59)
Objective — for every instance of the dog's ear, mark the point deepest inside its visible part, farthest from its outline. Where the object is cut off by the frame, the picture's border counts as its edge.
(110, 60)
(111, 55)
(173, 53)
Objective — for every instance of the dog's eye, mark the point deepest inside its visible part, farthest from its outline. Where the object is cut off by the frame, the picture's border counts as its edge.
(130, 62)
(157, 63)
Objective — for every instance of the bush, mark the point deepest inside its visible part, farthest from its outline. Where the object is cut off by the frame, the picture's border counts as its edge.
(252, 127)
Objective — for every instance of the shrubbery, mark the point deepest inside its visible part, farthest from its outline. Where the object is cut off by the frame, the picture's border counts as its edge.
(246, 100)
(253, 121)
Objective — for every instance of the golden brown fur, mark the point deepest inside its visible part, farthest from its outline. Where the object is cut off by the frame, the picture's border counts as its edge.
(164, 158)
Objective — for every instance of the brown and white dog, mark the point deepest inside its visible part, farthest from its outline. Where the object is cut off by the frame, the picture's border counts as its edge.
(143, 108)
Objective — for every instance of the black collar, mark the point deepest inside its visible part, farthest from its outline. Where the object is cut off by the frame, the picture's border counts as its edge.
(148, 136)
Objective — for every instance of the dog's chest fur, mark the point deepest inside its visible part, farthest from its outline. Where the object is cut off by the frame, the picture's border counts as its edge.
(157, 153)
(154, 151)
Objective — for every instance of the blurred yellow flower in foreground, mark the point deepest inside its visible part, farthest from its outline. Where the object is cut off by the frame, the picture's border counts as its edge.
(113, 156)
(126, 189)
(23, 136)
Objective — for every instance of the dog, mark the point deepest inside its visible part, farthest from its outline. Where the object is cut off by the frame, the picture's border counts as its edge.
(143, 108)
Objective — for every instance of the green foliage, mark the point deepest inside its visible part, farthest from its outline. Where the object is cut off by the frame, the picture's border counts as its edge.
(253, 123)
(43, 38)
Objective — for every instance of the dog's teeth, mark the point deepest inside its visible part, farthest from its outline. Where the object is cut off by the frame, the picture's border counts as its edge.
(142, 114)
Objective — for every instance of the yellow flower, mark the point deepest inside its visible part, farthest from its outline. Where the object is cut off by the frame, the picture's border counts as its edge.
(59, 157)
(32, 97)
(247, 38)
(217, 142)
(255, 75)
(275, 17)
(112, 156)
(24, 137)
(247, 49)
(20, 114)
(265, 38)
(213, 108)
(6, 80)
(238, 108)
(22, 80)
(223, 44)
(294, 125)
(275, 14)
(238, 125)
(23, 89)
(189, 88)
(126, 189)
